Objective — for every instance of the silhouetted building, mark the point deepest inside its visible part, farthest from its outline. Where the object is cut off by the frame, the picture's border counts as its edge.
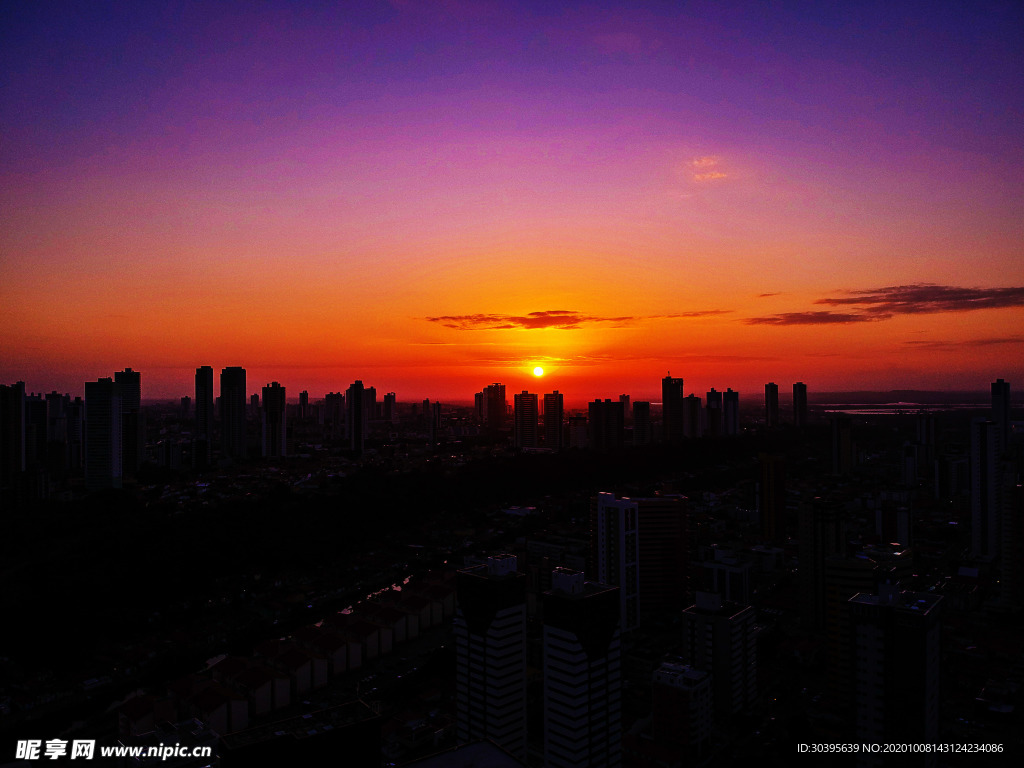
(822, 534)
(334, 414)
(355, 411)
(582, 673)
(1001, 411)
(554, 412)
(720, 637)
(232, 412)
(303, 404)
(713, 421)
(842, 445)
(102, 434)
(642, 434)
(986, 488)
(771, 497)
(12, 444)
(731, 413)
(693, 416)
(133, 442)
(682, 707)
(495, 406)
(490, 648)
(606, 425)
(615, 555)
(799, 404)
(274, 422)
(526, 420)
(896, 672)
(672, 409)
(390, 408)
(771, 404)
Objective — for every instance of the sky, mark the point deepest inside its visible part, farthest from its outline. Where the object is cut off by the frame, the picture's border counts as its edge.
(433, 196)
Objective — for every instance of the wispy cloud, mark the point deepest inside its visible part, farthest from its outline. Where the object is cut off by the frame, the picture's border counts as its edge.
(925, 298)
(562, 319)
(706, 168)
(885, 303)
(959, 344)
(814, 318)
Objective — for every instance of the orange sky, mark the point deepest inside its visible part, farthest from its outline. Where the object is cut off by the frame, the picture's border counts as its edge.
(798, 204)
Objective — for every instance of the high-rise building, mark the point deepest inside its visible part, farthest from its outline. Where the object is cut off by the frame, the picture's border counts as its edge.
(771, 497)
(771, 404)
(713, 421)
(553, 414)
(303, 405)
(355, 413)
(822, 534)
(1001, 412)
(730, 412)
(12, 444)
(624, 399)
(333, 414)
(232, 412)
(495, 406)
(799, 404)
(274, 422)
(615, 542)
(842, 445)
(390, 408)
(693, 416)
(526, 420)
(490, 650)
(672, 409)
(582, 673)
(986, 488)
(681, 711)
(133, 444)
(102, 434)
(896, 671)
(720, 637)
(641, 422)
(606, 425)
(578, 437)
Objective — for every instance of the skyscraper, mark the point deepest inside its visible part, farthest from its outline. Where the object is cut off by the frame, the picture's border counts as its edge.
(986, 488)
(553, 415)
(693, 416)
(730, 412)
(896, 671)
(672, 409)
(615, 543)
(641, 422)
(799, 404)
(720, 637)
(713, 420)
(204, 405)
(129, 383)
(1001, 411)
(495, 406)
(355, 413)
(102, 434)
(582, 673)
(490, 650)
(606, 425)
(526, 420)
(274, 422)
(232, 412)
(12, 444)
(771, 404)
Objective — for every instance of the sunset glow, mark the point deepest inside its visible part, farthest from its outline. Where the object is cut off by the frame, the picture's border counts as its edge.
(426, 195)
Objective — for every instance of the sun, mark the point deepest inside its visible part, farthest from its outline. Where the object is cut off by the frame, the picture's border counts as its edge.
(538, 371)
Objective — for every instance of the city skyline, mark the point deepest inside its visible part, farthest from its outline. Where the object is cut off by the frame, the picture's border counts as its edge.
(431, 197)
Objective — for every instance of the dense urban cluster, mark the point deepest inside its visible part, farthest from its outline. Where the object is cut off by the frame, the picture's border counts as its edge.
(353, 582)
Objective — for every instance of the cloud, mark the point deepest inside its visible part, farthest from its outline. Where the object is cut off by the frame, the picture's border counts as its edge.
(766, 295)
(814, 318)
(959, 345)
(885, 303)
(927, 298)
(706, 168)
(562, 319)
